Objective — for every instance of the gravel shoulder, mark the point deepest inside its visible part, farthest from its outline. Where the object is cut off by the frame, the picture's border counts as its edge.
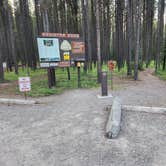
(69, 129)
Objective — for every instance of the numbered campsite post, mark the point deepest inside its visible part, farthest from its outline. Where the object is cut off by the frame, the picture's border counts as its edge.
(111, 67)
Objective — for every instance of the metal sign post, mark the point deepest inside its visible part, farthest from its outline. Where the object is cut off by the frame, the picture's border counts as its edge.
(68, 73)
(111, 72)
(79, 74)
(25, 95)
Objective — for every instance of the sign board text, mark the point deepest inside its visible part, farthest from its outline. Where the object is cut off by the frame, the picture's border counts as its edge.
(24, 84)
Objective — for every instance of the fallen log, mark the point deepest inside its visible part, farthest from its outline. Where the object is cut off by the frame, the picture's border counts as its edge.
(114, 120)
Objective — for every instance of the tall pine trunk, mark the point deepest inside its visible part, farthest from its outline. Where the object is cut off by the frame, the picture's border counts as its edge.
(11, 36)
(119, 32)
(98, 41)
(160, 25)
(138, 29)
(129, 36)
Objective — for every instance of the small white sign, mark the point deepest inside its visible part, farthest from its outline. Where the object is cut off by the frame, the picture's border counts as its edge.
(53, 64)
(24, 84)
(4, 65)
(44, 65)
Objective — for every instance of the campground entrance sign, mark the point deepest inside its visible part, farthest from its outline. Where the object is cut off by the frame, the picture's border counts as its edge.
(60, 50)
(57, 47)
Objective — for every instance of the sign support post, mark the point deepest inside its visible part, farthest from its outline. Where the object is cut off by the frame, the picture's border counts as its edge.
(49, 78)
(111, 79)
(68, 73)
(111, 66)
(25, 95)
(79, 74)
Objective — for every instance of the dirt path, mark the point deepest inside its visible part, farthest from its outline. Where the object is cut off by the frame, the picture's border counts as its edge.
(148, 91)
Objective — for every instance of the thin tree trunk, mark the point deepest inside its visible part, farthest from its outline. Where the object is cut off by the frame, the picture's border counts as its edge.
(164, 52)
(1, 68)
(11, 35)
(129, 36)
(119, 32)
(98, 41)
(37, 13)
(89, 35)
(85, 32)
(161, 6)
(138, 25)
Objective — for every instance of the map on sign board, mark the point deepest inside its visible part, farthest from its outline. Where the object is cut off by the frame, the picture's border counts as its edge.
(48, 49)
(24, 84)
(56, 47)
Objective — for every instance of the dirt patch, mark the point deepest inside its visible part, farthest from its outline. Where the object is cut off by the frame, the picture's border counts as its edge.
(148, 91)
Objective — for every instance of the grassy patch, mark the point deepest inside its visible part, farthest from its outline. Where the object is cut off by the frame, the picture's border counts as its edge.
(39, 81)
(161, 74)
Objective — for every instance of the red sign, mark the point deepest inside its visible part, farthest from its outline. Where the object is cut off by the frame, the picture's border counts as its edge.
(111, 65)
(64, 64)
(60, 35)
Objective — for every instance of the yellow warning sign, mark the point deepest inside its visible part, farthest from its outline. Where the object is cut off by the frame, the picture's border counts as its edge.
(66, 56)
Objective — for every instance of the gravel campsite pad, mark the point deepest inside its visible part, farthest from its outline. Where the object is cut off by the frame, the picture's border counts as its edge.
(69, 130)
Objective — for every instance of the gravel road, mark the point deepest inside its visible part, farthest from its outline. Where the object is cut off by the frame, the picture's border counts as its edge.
(69, 129)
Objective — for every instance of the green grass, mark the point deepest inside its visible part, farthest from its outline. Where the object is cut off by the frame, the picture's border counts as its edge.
(39, 81)
(161, 74)
(11, 76)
